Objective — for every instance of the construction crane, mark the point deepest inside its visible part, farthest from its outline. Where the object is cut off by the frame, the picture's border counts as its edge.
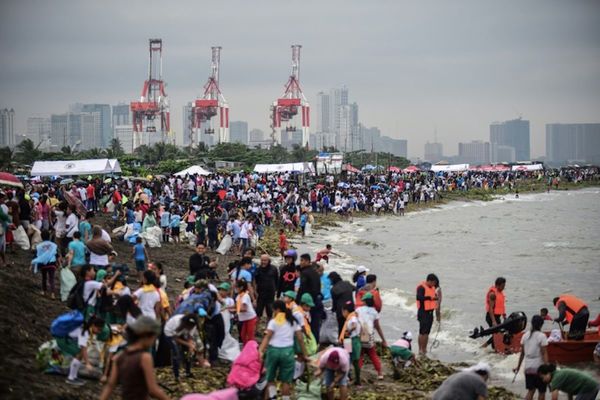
(212, 103)
(284, 109)
(152, 111)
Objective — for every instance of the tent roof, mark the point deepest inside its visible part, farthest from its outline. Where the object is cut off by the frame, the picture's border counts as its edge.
(290, 167)
(450, 168)
(193, 170)
(74, 167)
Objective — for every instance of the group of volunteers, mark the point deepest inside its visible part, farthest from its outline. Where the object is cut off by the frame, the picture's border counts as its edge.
(284, 315)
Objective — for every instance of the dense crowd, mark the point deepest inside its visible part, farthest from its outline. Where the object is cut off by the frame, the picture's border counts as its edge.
(297, 309)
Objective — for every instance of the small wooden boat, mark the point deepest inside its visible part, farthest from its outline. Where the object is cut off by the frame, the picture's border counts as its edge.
(564, 352)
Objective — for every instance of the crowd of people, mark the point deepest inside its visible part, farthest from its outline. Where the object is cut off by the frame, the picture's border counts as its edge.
(297, 309)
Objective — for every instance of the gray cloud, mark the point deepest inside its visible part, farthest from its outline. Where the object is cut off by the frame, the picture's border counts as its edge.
(410, 66)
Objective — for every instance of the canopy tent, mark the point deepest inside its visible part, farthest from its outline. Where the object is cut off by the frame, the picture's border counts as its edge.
(450, 168)
(193, 170)
(7, 179)
(411, 168)
(302, 167)
(528, 167)
(394, 169)
(490, 168)
(75, 167)
(351, 169)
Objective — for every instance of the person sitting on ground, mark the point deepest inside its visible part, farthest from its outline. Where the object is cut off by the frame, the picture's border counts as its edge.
(570, 381)
(470, 384)
(334, 363)
(133, 368)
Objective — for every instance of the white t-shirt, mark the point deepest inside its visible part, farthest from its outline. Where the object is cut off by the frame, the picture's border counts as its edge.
(163, 282)
(97, 259)
(88, 288)
(532, 347)
(81, 337)
(249, 313)
(147, 301)
(353, 327)
(172, 325)
(367, 316)
(283, 335)
(72, 224)
(245, 231)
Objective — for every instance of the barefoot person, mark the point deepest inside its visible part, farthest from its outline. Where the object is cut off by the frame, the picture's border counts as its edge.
(426, 305)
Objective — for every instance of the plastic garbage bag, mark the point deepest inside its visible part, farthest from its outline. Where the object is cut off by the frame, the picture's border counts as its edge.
(329, 329)
(152, 236)
(225, 245)
(35, 234)
(67, 281)
(21, 238)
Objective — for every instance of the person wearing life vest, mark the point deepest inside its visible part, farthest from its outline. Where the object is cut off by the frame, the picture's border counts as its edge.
(427, 303)
(574, 312)
(495, 307)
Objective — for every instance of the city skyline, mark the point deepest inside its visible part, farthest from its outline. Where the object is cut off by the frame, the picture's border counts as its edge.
(407, 79)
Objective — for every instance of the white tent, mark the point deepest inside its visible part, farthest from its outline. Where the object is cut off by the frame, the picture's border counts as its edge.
(290, 167)
(528, 167)
(74, 167)
(450, 168)
(114, 164)
(193, 170)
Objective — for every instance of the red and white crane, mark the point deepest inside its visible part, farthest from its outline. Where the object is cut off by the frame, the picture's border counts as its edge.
(152, 111)
(284, 109)
(212, 103)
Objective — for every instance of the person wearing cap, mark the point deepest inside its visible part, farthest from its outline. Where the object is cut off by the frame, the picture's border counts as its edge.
(534, 350)
(369, 320)
(359, 277)
(310, 282)
(133, 368)
(180, 331)
(288, 273)
(402, 355)
(334, 364)
(470, 384)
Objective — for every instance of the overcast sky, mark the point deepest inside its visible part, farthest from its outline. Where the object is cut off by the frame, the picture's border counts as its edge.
(411, 66)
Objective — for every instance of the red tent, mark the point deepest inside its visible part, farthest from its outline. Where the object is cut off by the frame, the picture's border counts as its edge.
(411, 168)
(394, 169)
(7, 179)
(350, 168)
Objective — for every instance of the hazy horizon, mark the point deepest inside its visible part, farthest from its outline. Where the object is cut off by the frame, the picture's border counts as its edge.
(411, 67)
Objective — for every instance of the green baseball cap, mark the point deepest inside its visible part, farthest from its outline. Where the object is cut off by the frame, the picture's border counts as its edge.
(307, 299)
(290, 293)
(224, 286)
(100, 275)
(191, 279)
(367, 295)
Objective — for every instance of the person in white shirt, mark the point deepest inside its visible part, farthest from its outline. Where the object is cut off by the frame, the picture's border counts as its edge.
(71, 225)
(534, 351)
(75, 345)
(148, 297)
(245, 312)
(180, 331)
(369, 320)
(277, 348)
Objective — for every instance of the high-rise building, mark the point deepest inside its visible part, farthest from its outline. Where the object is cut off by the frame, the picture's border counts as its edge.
(397, 147)
(566, 143)
(105, 123)
(7, 127)
(238, 132)
(502, 154)
(323, 117)
(475, 152)
(121, 115)
(125, 135)
(80, 131)
(59, 125)
(434, 152)
(187, 130)
(38, 131)
(514, 133)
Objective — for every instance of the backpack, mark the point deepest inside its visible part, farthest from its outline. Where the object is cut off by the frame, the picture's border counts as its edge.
(367, 336)
(75, 299)
(195, 301)
(66, 323)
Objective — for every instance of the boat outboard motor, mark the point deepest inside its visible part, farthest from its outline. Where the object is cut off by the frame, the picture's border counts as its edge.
(515, 323)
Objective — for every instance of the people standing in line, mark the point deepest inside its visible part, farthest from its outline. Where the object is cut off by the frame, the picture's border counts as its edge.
(426, 306)
(575, 312)
(495, 307)
(265, 283)
(535, 353)
(570, 381)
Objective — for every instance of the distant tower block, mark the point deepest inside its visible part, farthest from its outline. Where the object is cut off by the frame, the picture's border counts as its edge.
(284, 109)
(152, 111)
(211, 104)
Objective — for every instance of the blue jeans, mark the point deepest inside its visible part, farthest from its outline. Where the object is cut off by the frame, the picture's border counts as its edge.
(177, 357)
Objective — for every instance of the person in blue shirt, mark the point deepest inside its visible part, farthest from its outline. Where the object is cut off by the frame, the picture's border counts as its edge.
(242, 271)
(303, 221)
(85, 227)
(129, 215)
(325, 283)
(175, 221)
(165, 222)
(76, 255)
(140, 256)
(360, 277)
(326, 202)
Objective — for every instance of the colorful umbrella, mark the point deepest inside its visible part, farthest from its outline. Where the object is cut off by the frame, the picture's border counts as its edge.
(7, 179)
(74, 201)
(394, 169)
(67, 181)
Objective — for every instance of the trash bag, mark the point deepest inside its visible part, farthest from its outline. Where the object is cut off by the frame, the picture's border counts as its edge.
(191, 238)
(67, 282)
(225, 245)
(308, 229)
(308, 391)
(245, 370)
(21, 238)
(152, 236)
(35, 234)
(254, 241)
(329, 329)
(110, 207)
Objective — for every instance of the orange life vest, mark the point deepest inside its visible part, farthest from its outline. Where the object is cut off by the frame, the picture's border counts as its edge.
(499, 306)
(573, 305)
(428, 305)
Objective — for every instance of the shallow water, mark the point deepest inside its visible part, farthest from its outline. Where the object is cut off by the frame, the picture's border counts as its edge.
(543, 244)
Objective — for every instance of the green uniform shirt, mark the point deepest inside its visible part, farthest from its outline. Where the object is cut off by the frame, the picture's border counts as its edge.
(572, 381)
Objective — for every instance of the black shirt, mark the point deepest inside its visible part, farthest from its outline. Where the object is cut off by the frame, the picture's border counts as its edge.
(287, 278)
(310, 282)
(198, 262)
(266, 279)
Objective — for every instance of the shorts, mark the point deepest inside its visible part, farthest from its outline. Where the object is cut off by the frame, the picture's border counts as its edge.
(425, 322)
(280, 364)
(329, 376)
(402, 352)
(68, 346)
(175, 231)
(140, 265)
(534, 382)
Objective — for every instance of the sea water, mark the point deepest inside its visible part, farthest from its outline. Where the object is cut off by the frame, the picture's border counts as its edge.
(544, 244)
